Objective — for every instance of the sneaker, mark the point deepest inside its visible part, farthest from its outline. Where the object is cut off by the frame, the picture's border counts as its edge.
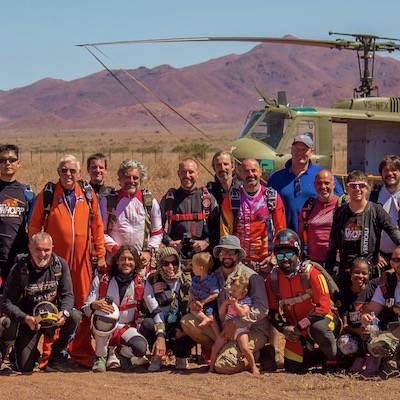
(181, 363)
(112, 359)
(389, 370)
(99, 365)
(58, 365)
(138, 361)
(155, 365)
(5, 369)
(358, 365)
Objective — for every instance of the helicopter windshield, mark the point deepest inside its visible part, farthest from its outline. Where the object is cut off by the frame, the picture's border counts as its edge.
(268, 129)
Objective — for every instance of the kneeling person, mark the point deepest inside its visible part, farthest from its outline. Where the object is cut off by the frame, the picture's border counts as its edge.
(115, 300)
(38, 277)
(300, 304)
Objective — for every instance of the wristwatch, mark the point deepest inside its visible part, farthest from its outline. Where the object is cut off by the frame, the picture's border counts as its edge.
(66, 314)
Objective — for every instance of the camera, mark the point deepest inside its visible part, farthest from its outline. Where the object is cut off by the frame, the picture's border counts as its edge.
(187, 245)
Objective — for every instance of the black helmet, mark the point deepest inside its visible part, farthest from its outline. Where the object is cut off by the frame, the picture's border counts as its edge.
(286, 238)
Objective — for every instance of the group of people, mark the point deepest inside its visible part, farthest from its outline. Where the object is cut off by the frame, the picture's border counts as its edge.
(238, 266)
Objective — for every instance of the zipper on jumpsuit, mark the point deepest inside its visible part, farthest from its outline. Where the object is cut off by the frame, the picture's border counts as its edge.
(73, 230)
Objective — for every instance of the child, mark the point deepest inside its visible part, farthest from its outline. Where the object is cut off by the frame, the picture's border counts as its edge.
(350, 303)
(204, 291)
(236, 306)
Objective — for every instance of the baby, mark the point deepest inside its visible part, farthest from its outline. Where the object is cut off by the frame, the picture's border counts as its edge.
(204, 291)
(236, 306)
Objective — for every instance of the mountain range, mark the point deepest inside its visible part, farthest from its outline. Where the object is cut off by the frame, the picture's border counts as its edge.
(220, 91)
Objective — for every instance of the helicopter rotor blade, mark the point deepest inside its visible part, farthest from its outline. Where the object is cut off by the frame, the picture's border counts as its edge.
(333, 44)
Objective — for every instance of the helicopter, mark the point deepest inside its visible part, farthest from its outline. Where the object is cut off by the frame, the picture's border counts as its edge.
(369, 124)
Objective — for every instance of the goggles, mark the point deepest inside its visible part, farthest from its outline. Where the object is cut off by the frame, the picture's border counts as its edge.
(287, 254)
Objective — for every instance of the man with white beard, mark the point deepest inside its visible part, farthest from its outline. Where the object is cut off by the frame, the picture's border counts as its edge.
(131, 215)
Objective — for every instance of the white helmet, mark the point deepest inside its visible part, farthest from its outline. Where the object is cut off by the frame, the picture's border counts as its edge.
(347, 344)
(104, 324)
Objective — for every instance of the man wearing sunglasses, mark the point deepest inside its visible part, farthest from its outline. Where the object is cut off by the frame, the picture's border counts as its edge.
(229, 360)
(357, 228)
(16, 202)
(73, 222)
(388, 195)
(300, 306)
(295, 182)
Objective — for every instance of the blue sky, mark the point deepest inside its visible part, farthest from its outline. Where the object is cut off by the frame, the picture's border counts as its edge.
(37, 38)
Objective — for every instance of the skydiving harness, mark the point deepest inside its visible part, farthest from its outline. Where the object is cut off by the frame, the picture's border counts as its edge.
(306, 213)
(48, 196)
(104, 281)
(202, 216)
(305, 273)
(374, 196)
(270, 196)
(22, 263)
(147, 200)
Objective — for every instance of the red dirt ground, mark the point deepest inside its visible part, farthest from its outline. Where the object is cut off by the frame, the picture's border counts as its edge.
(193, 384)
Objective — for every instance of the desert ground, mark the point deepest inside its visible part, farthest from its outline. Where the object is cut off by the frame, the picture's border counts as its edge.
(40, 153)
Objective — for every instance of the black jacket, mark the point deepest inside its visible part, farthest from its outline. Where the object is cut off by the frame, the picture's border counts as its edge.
(374, 220)
(27, 286)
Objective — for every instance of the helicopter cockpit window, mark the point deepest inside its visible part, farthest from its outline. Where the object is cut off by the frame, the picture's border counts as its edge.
(270, 129)
(303, 126)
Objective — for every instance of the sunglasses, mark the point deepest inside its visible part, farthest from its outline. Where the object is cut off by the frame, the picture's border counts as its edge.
(281, 256)
(173, 263)
(297, 186)
(11, 160)
(395, 259)
(66, 170)
(357, 185)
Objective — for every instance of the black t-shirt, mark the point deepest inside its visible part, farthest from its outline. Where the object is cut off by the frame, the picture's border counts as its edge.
(352, 238)
(349, 304)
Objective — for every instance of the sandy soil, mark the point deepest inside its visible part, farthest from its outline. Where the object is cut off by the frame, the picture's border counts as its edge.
(196, 383)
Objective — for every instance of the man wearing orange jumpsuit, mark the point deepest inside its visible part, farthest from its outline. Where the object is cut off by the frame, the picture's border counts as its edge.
(68, 224)
(300, 306)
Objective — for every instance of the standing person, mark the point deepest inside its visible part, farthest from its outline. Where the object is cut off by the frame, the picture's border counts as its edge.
(191, 213)
(40, 276)
(166, 295)
(388, 196)
(131, 215)
(316, 216)
(123, 289)
(96, 166)
(295, 182)
(229, 359)
(16, 202)
(225, 178)
(72, 217)
(300, 305)
(255, 217)
(357, 227)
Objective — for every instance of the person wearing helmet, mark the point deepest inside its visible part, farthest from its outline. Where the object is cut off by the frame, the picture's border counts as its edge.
(115, 301)
(38, 297)
(300, 305)
(166, 295)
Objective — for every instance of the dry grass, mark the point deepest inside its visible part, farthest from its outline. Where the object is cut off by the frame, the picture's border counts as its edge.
(40, 153)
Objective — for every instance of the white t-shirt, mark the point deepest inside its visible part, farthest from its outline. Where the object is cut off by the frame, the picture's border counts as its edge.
(378, 296)
(390, 203)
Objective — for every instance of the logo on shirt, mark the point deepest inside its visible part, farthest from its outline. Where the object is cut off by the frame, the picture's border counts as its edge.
(352, 231)
(12, 208)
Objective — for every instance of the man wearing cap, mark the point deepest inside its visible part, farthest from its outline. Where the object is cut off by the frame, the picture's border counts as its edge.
(295, 182)
(229, 360)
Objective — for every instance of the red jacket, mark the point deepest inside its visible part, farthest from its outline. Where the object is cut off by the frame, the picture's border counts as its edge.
(313, 303)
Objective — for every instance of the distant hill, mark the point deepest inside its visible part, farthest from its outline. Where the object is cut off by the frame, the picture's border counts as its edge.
(219, 91)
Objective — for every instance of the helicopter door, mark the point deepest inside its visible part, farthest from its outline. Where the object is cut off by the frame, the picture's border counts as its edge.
(339, 147)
